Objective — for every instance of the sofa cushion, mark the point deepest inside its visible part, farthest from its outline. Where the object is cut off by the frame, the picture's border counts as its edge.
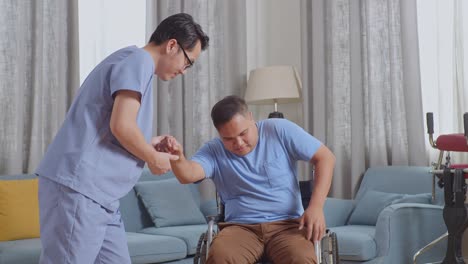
(143, 249)
(356, 242)
(19, 209)
(20, 251)
(181, 261)
(368, 208)
(190, 234)
(169, 203)
(424, 198)
(154, 248)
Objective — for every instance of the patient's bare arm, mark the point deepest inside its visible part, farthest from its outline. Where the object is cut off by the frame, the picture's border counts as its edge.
(313, 218)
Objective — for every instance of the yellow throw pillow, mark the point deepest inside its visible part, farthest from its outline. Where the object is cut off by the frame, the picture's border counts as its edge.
(19, 209)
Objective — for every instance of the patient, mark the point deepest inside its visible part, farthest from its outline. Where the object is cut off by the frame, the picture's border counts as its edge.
(253, 166)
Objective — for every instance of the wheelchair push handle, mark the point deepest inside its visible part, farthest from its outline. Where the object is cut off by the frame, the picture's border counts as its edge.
(430, 128)
(465, 125)
(430, 123)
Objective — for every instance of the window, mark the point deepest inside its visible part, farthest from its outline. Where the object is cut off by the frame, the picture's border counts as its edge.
(106, 26)
(443, 53)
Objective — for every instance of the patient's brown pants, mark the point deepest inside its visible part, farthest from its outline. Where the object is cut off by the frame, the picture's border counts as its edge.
(279, 242)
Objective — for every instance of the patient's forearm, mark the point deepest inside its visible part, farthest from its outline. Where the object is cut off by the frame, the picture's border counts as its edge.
(322, 184)
(187, 171)
(324, 162)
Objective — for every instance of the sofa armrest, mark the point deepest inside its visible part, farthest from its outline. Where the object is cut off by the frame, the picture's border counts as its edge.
(337, 211)
(403, 229)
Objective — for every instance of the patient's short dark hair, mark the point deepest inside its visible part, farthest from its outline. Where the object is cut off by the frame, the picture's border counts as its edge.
(182, 28)
(224, 110)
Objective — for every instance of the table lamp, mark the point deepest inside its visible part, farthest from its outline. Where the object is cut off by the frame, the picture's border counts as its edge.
(273, 84)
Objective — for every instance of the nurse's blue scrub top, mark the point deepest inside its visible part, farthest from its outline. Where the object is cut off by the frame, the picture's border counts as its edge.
(84, 155)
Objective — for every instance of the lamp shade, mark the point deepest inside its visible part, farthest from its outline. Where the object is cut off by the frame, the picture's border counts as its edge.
(280, 84)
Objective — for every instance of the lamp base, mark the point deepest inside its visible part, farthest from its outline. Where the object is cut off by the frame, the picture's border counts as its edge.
(276, 115)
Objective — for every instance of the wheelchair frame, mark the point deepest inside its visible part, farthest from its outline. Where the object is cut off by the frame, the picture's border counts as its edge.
(326, 251)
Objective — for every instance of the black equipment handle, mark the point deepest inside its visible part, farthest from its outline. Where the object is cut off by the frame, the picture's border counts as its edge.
(465, 124)
(430, 123)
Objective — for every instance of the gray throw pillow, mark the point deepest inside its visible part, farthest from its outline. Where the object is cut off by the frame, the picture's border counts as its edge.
(368, 208)
(169, 203)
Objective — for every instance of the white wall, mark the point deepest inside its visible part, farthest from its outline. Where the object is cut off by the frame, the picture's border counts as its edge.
(106, 26)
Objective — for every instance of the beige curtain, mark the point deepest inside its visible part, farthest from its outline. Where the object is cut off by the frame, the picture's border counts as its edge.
(38, 76)
(183, 105)
(361, 67)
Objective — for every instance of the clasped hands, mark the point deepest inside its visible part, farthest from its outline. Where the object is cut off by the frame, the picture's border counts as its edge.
(167, 149)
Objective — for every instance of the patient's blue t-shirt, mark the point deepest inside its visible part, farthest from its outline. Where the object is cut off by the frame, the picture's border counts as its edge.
(85, 155)
(261, 186)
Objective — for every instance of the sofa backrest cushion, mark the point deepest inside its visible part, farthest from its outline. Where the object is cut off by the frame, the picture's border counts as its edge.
(134, 214)
(399, 179)
(368, 208)
(19, 208)
(169, 203)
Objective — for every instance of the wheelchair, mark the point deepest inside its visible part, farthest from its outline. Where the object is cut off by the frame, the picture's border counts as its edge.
(326, 251)
(451, 177)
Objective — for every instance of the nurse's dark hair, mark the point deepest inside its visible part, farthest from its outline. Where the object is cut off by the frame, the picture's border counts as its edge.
(224, 110)
(182, 28)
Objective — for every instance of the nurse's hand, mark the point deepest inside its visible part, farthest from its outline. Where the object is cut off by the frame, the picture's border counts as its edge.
(160, 163)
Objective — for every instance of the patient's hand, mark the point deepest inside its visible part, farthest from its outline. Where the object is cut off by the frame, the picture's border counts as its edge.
(167, 144)
(313, 220)
(163, 144)
(174, 147)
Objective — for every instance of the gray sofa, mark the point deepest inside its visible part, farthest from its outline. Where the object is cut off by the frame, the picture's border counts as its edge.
(147, 243)
(391, 218)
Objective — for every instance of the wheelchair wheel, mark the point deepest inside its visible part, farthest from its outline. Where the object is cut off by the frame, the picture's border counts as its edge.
(200, 255)
(197, 259)
(330, 249)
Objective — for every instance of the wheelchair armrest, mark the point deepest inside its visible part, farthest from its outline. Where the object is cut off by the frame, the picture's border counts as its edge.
(209, 207)
(403, 229)
(337, 211)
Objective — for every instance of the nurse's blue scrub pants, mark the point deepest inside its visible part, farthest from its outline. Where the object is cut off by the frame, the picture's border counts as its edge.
(75, 229)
